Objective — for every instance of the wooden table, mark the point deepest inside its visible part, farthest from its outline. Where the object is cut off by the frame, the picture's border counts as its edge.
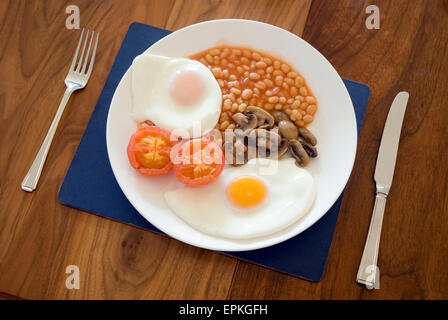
(39, 237)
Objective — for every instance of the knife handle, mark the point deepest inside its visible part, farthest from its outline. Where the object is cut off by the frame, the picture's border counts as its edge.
(368, 271)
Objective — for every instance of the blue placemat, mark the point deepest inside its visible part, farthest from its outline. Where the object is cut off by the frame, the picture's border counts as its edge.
(90, 184)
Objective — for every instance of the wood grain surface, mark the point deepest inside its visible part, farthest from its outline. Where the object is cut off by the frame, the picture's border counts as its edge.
(39, 237)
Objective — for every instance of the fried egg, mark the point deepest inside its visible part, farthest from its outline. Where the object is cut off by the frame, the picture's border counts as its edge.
(175, 94)
(248, 201)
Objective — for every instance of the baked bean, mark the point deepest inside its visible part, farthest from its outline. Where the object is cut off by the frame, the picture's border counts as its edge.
(232, 77)
(307, 118)
(242, 107)
(277, 64)
(292, 75)
(254, 76)
(257, 91)
(245, 60)
(288, 111)
(282, 100)
(231, 84)
(310, 100)
(209, 58)
(295, 104)
(299, 81)
(256, 56)
(225, 73)
(234, 107)
(311, 109)
(278, 106)
(240, 70)
(304, 105)
(247, 53)
(290, 101)
(269, 106)
(217, 72)
(294, 91)
(269, 69)
(261, 65)
(224, 63)
(303, 91)
(221, 83)
(273, 99)
(236, 52)
(285, 68)
(278, 80)
(260, 85)
(267, 61)
(277, 73)
(285, 85)
(235, 91)
(239, 100)
(232, 97)
(289, 81)
(300, 123)
(247, 93)
(227, 104)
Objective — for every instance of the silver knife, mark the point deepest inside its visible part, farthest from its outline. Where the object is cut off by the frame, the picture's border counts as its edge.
(368, 272)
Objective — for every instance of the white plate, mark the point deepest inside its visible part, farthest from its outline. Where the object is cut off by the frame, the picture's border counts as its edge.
(334, 126)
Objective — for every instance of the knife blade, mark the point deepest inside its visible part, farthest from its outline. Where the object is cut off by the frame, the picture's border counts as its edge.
(387, 155)
(368, 272)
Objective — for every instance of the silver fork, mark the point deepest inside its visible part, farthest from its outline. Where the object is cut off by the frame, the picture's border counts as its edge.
(76, 79)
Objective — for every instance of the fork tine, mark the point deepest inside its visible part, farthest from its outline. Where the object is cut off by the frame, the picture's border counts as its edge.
(72, 66)
(93, 55)
(78, 67)
(87, 54)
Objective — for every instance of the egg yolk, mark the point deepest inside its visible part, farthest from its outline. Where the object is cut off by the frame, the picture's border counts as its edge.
(187, 87)
(246, 192)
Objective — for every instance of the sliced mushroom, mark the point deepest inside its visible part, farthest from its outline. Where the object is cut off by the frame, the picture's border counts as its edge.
(280, 116)
(264, 118)
(312, 151)
(245, 121)
(307, 136)
(288, 129)
(267, 142)
(235, 150)
(298, 153)
(281, 150)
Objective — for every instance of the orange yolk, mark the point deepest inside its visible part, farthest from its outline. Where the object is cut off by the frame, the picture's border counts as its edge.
(246, 192)
(187, 87)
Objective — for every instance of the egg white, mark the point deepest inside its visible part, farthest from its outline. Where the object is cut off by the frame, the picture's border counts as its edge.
(151, 100)
(290, 195)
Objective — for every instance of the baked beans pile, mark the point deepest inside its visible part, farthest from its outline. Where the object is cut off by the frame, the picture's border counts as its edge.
(251, 78)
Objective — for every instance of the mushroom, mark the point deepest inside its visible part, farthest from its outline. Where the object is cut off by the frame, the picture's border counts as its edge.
(266, 141)
(235, 150)
(312, 151)
(264, 118)
(288, 129)
(307, 136)
(245, 121)
(281, 150)
(279, 116)
(298, 153)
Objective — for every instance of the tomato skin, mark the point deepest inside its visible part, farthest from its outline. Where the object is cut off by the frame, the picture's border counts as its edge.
(181, 170)
(136, 151)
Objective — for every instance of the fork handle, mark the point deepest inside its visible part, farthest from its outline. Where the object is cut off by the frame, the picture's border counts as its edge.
(29, 183)
(368, 271)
